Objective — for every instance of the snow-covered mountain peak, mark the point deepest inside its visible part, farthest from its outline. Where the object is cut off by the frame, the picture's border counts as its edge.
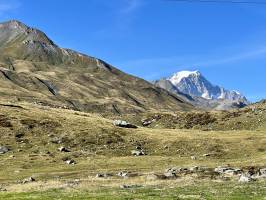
(194, 83)
(177, 77)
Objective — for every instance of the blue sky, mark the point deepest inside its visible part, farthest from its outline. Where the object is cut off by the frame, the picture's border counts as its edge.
(155, 38)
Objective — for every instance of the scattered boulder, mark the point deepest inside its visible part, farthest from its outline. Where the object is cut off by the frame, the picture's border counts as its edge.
(138, 147)
(123, 174)
(102, 175)
(130, 186)
(149, 121)
(193, 158)
(245, 178)
(171, 172)
(3, 149)
(70, 162)
(194, 169)
(177, 170)
(261, 174)
(63, 149)
(146, 122)
(263, 171)
(228, 171)
(28, 180)
(123, 124)
(137, 153)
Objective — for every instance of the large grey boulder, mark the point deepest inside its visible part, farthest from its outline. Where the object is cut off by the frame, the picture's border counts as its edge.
(3, 149)
(123, 124)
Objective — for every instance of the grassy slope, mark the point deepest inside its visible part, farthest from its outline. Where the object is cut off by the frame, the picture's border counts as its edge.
(34, 69)
(98, 146)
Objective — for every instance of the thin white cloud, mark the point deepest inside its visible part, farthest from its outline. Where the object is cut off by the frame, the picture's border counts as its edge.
(131, 6)
(124, 13)
(164, 66)
(196, 60)
(242, 56)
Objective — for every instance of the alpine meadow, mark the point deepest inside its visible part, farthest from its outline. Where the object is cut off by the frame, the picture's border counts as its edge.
(75, 126)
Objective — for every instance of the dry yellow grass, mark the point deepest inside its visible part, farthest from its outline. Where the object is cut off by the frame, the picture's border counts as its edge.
(99, 147)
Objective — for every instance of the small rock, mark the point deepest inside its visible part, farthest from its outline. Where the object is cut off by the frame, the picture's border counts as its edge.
(193, 158)
(228, 170)
(123, 174)
(171, 172)
(123, 124)
(146, 122)
(170, 175)
(70, 162)
(137, 153)
(3, 149)
(245, 179)
(102, 175)
(138, 148)
(194, 168)
(63, 149)
(232, 172)
(130, 186)
(206, 155)
(263, 171)
(28, 180)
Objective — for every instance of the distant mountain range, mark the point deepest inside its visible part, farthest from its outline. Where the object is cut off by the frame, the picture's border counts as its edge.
(193, 86)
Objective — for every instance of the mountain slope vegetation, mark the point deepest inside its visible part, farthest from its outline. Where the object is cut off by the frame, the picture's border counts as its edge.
(34, 69)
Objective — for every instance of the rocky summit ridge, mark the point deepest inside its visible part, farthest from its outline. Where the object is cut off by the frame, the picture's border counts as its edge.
(34, 69)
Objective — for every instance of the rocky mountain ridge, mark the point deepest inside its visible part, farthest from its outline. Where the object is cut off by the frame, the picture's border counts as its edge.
(34, 69)
(193, 86)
